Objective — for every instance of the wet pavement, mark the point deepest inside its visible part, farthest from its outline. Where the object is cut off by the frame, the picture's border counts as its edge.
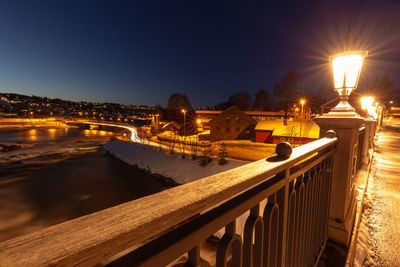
(382, 212)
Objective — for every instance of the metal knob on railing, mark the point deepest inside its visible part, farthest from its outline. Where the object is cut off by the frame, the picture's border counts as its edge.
(283, 151)
(330, 134)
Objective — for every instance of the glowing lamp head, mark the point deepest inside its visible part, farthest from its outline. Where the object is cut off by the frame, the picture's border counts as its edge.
(367, 102)
(183, 111)
(302, 101)
(346, 70)
(198, 121)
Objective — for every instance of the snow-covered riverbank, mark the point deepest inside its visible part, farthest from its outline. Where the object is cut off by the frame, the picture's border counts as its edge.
(160, 162)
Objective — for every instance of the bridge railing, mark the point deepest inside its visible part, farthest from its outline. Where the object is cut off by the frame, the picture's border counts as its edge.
(360, 144)
(287, 202)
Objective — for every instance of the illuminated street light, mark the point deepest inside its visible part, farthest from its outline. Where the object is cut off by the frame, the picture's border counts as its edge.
(367, 103)
(184, 122)
(198, 121)
(346, 68)
(302, 102)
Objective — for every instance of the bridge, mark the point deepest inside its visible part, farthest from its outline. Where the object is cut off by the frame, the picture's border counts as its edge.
(278, 211)
(132, 129)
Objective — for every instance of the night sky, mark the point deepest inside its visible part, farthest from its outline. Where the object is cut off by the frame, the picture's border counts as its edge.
(140, 52)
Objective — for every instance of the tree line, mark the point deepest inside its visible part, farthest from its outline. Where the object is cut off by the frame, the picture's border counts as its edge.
(284, 95)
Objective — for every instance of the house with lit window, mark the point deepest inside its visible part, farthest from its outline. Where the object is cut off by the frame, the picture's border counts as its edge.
(294, 132)
(231, 124)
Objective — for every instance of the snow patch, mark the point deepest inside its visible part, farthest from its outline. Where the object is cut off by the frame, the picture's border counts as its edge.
(173, 166)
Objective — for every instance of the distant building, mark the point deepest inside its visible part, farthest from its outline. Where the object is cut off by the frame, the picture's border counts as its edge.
(171, 126)
(205, 116)
(231, 124)
(295, 132)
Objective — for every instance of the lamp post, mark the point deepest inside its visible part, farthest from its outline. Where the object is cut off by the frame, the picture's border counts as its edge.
(345, 122)
(302, 102)
(184, 122)
(346, 68)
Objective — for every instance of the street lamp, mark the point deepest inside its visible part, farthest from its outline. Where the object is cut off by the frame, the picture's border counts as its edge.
(184, 122)
(367, 103)
(302, 102)
(346, 68)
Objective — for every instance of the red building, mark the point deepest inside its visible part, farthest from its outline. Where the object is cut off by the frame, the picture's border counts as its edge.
(294, 132)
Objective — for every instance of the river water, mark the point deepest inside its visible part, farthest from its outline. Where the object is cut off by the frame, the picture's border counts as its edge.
(61, 174)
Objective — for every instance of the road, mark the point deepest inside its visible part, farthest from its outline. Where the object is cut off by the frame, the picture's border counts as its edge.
(134, 136)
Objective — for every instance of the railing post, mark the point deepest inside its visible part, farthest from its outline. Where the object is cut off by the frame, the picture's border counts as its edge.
(367, 142)
(282, 200)
(342, 203)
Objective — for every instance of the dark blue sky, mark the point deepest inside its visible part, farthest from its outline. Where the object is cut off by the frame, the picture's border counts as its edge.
(140, 52)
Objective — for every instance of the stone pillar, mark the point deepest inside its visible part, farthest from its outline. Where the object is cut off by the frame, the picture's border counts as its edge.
(342, 203)
(368, 138)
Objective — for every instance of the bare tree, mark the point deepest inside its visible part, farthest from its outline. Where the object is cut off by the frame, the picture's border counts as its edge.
(222, 153)
(181, 146)
(261, 101)
(291, 131)
(194, 147)
(206, 156)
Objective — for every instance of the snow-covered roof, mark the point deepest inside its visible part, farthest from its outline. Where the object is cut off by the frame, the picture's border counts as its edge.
(309, 129)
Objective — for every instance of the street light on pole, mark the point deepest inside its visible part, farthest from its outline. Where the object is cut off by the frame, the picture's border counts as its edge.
(346, 68)
(184, 122)
(302, 102)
